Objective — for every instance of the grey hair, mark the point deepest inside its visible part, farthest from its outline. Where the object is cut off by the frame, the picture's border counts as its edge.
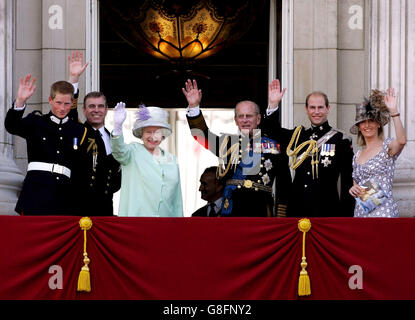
(257, 109)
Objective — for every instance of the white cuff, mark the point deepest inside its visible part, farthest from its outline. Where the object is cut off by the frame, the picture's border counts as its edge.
(18, 109)
(193, 112)
(271, 111)
(75, 87)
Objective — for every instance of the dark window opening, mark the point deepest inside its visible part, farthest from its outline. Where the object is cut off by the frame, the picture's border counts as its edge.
(238, 72)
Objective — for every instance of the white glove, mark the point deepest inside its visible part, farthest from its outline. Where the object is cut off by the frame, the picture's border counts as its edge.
(120, 114)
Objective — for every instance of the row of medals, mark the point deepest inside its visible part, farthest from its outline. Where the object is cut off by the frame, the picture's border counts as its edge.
(328, 150)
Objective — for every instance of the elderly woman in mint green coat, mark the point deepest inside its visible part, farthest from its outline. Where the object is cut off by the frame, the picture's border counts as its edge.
(150, 184)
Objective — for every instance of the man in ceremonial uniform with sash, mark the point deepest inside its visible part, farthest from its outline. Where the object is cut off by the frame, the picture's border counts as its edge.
(54, 145)
(321, 158)
(249, 161)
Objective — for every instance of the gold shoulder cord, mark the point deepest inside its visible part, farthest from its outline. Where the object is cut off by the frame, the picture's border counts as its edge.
(233, 161)
(93, 145)
(311, 148)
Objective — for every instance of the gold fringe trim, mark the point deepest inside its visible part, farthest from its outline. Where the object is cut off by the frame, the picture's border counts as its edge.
(281, 210)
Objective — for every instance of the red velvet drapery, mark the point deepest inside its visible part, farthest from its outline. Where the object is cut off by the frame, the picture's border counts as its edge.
(207, 258)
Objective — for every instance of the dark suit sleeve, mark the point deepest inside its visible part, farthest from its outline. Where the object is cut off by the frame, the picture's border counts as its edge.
(271, 126)
(115, 168)
(80, 162)
(17, 125)
(347, 202)
(73, 114)
(201, 212)
(202, 134)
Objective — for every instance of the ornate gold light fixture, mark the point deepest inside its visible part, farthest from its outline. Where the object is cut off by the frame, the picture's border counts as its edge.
(181, 30)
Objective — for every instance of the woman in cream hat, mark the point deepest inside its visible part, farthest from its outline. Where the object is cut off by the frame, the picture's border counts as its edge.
(374, 164)
(150, 184)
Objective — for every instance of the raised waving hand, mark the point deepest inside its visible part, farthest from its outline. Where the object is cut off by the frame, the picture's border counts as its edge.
(192, 93)
(275, 93)
(76, 66)
(26, 89)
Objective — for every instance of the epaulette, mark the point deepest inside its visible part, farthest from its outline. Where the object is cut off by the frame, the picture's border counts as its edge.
(345, 136)
(37, 113)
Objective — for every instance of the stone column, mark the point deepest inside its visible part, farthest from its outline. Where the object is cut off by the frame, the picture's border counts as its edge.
(392, 61)
(330, 56)
(315, 55)
(11, 177)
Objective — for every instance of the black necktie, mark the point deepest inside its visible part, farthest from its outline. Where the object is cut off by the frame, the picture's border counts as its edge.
(99, 141)
(212, 212)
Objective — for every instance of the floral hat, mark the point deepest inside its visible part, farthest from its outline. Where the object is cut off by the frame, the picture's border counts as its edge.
(373, 108)
(149, 117)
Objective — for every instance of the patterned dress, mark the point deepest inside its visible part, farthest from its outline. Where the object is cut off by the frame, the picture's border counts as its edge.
(379, 170)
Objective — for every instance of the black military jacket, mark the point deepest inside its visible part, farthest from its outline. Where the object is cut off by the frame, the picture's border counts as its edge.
(327, 193)
(50, 140)
(99, 179)
(253, 163)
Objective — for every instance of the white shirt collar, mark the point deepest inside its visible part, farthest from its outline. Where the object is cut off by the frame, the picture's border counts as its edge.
(106, 138)
(218, 204)
(59, 121)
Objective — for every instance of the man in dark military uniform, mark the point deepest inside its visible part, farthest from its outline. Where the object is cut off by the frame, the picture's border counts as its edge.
(54, 143)
(100, 174)
(251, 160)
(322, 159)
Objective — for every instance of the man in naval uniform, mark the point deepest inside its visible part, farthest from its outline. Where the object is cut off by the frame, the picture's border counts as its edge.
(54, 144)
(250, 161)
(322, 159)
(101, 173)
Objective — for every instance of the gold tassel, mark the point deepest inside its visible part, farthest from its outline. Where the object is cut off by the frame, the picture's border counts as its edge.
(304, 288)
(84, 279)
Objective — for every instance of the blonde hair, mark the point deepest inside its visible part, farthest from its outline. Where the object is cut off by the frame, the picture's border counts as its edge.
(361, 140)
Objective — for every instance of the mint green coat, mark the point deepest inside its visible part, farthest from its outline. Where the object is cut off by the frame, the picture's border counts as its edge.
(150, 186)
